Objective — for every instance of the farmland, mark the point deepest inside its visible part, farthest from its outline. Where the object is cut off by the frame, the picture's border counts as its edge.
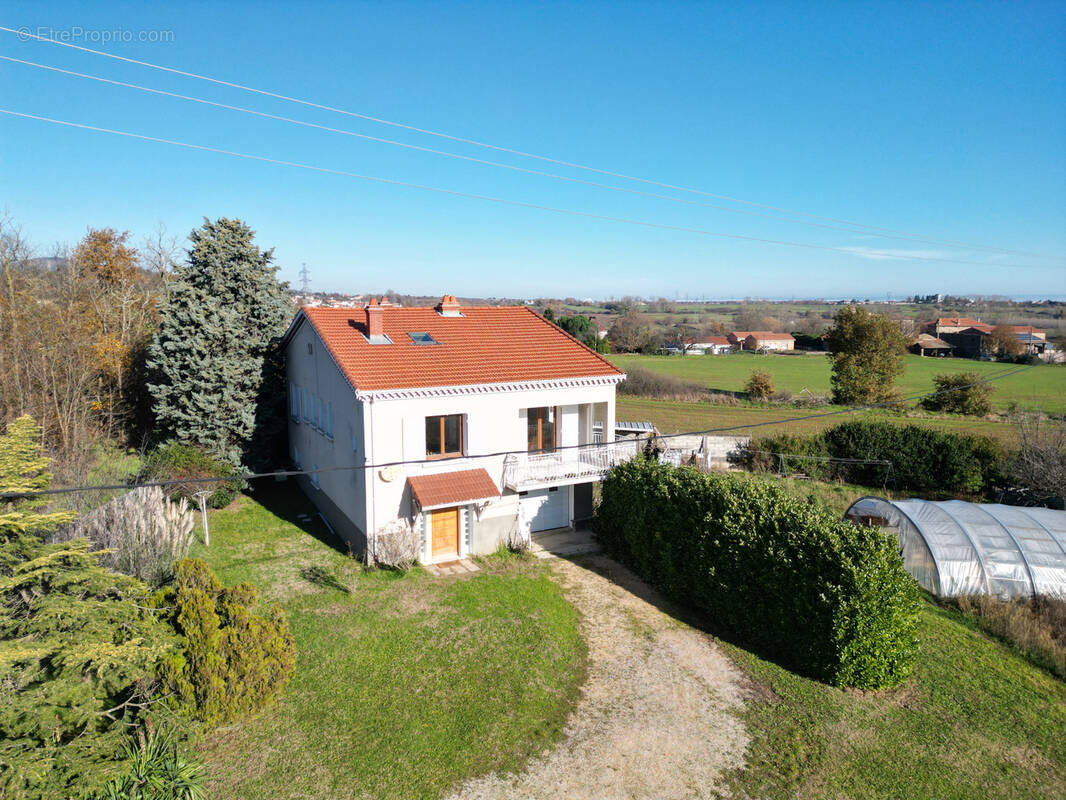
(1042, 387)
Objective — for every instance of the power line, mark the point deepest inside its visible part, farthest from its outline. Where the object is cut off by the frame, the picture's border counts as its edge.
(500, 200)
(504, 453)
(447, 154)
(23, 34)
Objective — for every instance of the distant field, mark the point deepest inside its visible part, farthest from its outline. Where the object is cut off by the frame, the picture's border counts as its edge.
(673, 416)
(1041, 387)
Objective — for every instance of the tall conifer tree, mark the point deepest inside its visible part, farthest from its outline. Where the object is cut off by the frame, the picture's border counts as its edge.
(219, 376)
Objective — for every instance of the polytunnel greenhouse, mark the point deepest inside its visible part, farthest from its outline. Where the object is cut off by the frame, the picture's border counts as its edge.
(956, 548)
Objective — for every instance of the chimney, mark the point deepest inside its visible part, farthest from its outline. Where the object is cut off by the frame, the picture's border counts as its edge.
(375, 330)
(449, 306)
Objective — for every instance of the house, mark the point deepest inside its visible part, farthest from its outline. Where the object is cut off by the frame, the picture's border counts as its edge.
(930, 345)
(973, 342)
(472, 425)
(938, 327)
(1034, 340)
(969, 342)
(713, 345)
(762, 340)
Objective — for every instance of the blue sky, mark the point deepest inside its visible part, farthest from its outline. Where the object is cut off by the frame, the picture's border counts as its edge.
(943, 120)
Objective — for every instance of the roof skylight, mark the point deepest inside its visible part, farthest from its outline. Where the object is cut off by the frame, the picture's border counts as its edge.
(421, 338)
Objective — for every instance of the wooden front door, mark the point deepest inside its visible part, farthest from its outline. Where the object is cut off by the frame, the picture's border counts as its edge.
(445, 531)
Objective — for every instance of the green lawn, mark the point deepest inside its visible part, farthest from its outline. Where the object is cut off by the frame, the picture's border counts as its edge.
(677, 416)
(1042, 387)
(404, 686)
(975, 720)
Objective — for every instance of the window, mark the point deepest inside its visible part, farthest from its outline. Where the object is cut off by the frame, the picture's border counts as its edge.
(296, 456)
(314, 477)
(540, 430)
(444, 436)
(421, 338)
(329, 420)
(318, 412)
(305, 407)
(294, 401)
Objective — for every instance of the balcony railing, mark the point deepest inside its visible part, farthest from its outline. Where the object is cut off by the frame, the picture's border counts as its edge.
(571, 465)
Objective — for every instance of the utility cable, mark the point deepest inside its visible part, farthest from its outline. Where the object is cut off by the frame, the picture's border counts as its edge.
(25, 34)
(499, 200)
(484, 162)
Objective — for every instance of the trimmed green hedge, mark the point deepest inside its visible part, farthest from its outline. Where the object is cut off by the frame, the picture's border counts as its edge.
(923, 459)
(786, 577)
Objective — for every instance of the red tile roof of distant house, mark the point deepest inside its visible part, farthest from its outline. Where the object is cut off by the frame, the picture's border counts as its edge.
(959, 322)
(452, 488)
(719, 340)
(465, 346)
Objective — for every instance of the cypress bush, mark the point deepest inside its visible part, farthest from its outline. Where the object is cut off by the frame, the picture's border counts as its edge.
(783, 576)
(231, 660)
(923, 459)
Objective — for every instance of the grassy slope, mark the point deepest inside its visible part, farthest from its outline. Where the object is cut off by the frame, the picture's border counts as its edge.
(676, 416)
(974, 721)
(403, 687)
(1043, 386)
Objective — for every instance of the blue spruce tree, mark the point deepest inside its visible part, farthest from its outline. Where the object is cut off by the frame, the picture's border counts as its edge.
(219, 377)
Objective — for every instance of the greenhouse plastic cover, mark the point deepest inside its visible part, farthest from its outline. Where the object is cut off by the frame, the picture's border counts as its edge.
(955, 548)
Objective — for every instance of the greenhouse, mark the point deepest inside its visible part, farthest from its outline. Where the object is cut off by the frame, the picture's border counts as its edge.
(956, 548)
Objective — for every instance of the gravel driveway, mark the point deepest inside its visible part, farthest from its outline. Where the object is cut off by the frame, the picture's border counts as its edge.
(657, 715)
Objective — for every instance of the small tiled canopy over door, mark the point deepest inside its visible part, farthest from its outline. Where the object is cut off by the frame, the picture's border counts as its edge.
(445, 524)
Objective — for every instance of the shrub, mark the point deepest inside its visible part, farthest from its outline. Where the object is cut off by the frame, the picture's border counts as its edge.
(922, 459)
(1035, 626)
(396, 546)
(142, 533)
(181, 462)
(765, 455)
(78, 656)
(156, 770)
(231, 661)
(760, 385)
(646, 383)
(960, 393)
(786, 577)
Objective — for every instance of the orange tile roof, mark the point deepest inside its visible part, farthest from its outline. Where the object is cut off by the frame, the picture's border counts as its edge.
(958, 322)
(1025, 329)
(452, 488)
(487, 344)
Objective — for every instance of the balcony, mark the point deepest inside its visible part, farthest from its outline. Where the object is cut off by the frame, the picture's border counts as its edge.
(570, 465)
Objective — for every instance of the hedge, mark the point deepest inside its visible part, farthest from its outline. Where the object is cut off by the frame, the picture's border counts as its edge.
(923, 459)
(781, 575)
(185, 462)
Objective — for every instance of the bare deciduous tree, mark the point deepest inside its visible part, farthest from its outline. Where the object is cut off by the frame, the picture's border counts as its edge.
(1039, 466)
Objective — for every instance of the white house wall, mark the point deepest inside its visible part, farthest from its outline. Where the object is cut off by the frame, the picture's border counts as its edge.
(493, 423)
(340, 494)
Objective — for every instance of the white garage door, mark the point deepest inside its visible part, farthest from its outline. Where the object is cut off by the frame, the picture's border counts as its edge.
(547, 508)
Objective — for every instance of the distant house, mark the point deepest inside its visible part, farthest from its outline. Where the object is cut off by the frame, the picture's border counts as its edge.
(938, 327)
(972, 341)
(926, 345)
(1034, 340)
(762, 340)
(712, 345)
